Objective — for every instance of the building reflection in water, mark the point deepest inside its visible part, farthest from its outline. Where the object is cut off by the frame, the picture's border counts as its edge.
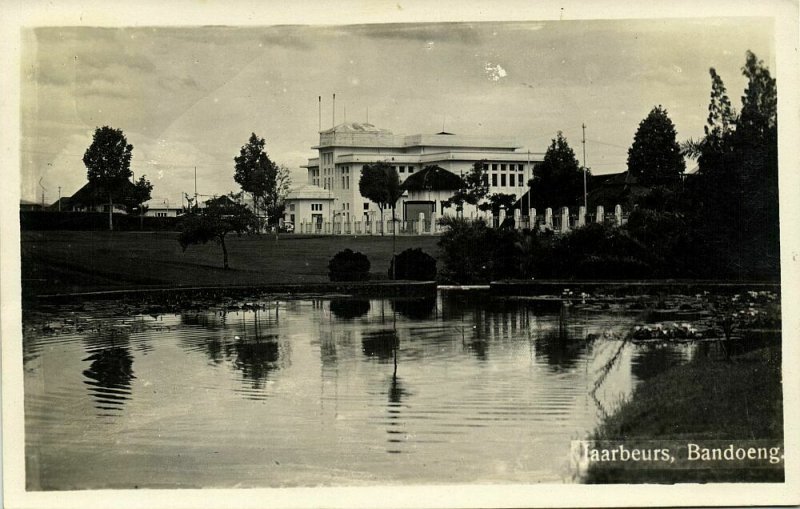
(110, 371)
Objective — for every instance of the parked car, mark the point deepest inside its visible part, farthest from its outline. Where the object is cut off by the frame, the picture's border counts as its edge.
(288, 227)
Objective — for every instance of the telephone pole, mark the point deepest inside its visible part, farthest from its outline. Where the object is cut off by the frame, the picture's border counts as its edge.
(585, 206)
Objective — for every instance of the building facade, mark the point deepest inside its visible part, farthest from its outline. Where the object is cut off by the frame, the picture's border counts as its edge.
(344, 150)
(309, 205)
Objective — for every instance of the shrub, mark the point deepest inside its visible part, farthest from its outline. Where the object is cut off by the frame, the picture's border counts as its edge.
(471, 252)
(348, 265)
(414, 264)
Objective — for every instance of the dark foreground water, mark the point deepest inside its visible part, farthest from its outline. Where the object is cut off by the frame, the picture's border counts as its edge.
(324, 392)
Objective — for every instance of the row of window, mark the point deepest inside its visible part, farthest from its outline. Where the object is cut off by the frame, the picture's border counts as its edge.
(505, 166)
(316, 207)
(513, 180)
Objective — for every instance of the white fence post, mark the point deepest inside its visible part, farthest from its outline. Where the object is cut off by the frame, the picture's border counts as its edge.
(517, 219)
(421, 224)
(434, 220)
(618, 214)
(548, 218)
(601, 215)
(564, 219)
(581, 216)
(501, 217)
(532, 218)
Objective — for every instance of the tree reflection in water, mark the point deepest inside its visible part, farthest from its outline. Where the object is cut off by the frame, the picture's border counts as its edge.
(380, 344)
(256, 358)
(415, 309)
(560, 347)
(111, 370)
(349, 309)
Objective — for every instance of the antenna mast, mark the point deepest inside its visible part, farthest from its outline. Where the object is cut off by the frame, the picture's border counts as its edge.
(583, 141)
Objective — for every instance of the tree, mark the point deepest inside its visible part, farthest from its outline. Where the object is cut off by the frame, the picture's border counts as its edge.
(266, 182)
(474, 187)
(655, 156)
(139, 193)
(734, 196)
(558, 180)
(380, 184)
(221, 216)
(108, 161)
(499, 201)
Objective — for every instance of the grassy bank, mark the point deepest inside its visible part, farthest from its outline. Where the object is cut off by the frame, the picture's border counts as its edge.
(71, 261)
(703, 400)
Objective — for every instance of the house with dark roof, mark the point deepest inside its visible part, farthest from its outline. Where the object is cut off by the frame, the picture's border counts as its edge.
(427, 191)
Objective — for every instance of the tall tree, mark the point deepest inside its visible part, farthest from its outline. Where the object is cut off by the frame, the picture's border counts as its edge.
(266, 182)
(108, 162)
(474, 188)
(735, 194)
(222, 215)
(558, 180)
(655, 156)
(380, 183)
(373, 184)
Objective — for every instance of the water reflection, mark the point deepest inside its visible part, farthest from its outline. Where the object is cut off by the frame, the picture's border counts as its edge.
(110, 371)
(256, 359)
(380, 344)
(415, 309)
(651, 359)
(349, 309)
(458, 385)
(562, 346)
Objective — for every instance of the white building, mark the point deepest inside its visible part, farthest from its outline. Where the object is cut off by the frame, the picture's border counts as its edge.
(309, 205)
(345, 149)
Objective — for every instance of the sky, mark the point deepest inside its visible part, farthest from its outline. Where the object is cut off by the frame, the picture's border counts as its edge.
(189, 97)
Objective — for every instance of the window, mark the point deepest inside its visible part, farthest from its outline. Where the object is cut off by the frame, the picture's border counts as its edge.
(291, 207)
(503, 167)
(291, 218)
(402, 169)
(511, 180)
(502, 180)
(366, 206)
(410, 169)
(494, 166)
(316, 207)
(494, 179)
(520, 167)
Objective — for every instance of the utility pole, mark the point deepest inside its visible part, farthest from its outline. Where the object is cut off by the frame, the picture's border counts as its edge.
(333, 113)
(585, 206)
(59, 198)
(320, 112)
(195, 187)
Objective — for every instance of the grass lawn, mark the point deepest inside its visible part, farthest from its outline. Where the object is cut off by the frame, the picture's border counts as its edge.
(706, 399)
(81, 261)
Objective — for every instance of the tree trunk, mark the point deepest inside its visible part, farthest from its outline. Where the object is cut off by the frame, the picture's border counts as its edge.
(394, 245)
(224, 253)
(110, 214)
(382, 225)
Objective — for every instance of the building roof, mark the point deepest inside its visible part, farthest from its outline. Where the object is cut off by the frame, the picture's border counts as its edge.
(309, 192)
(356, 127)
(432, 178)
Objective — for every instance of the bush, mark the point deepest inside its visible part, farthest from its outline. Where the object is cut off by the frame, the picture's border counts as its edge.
(414, 264)
(348, 265)
(471, 252)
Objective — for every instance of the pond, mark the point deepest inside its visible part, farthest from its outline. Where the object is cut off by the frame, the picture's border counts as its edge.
(314, 391)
